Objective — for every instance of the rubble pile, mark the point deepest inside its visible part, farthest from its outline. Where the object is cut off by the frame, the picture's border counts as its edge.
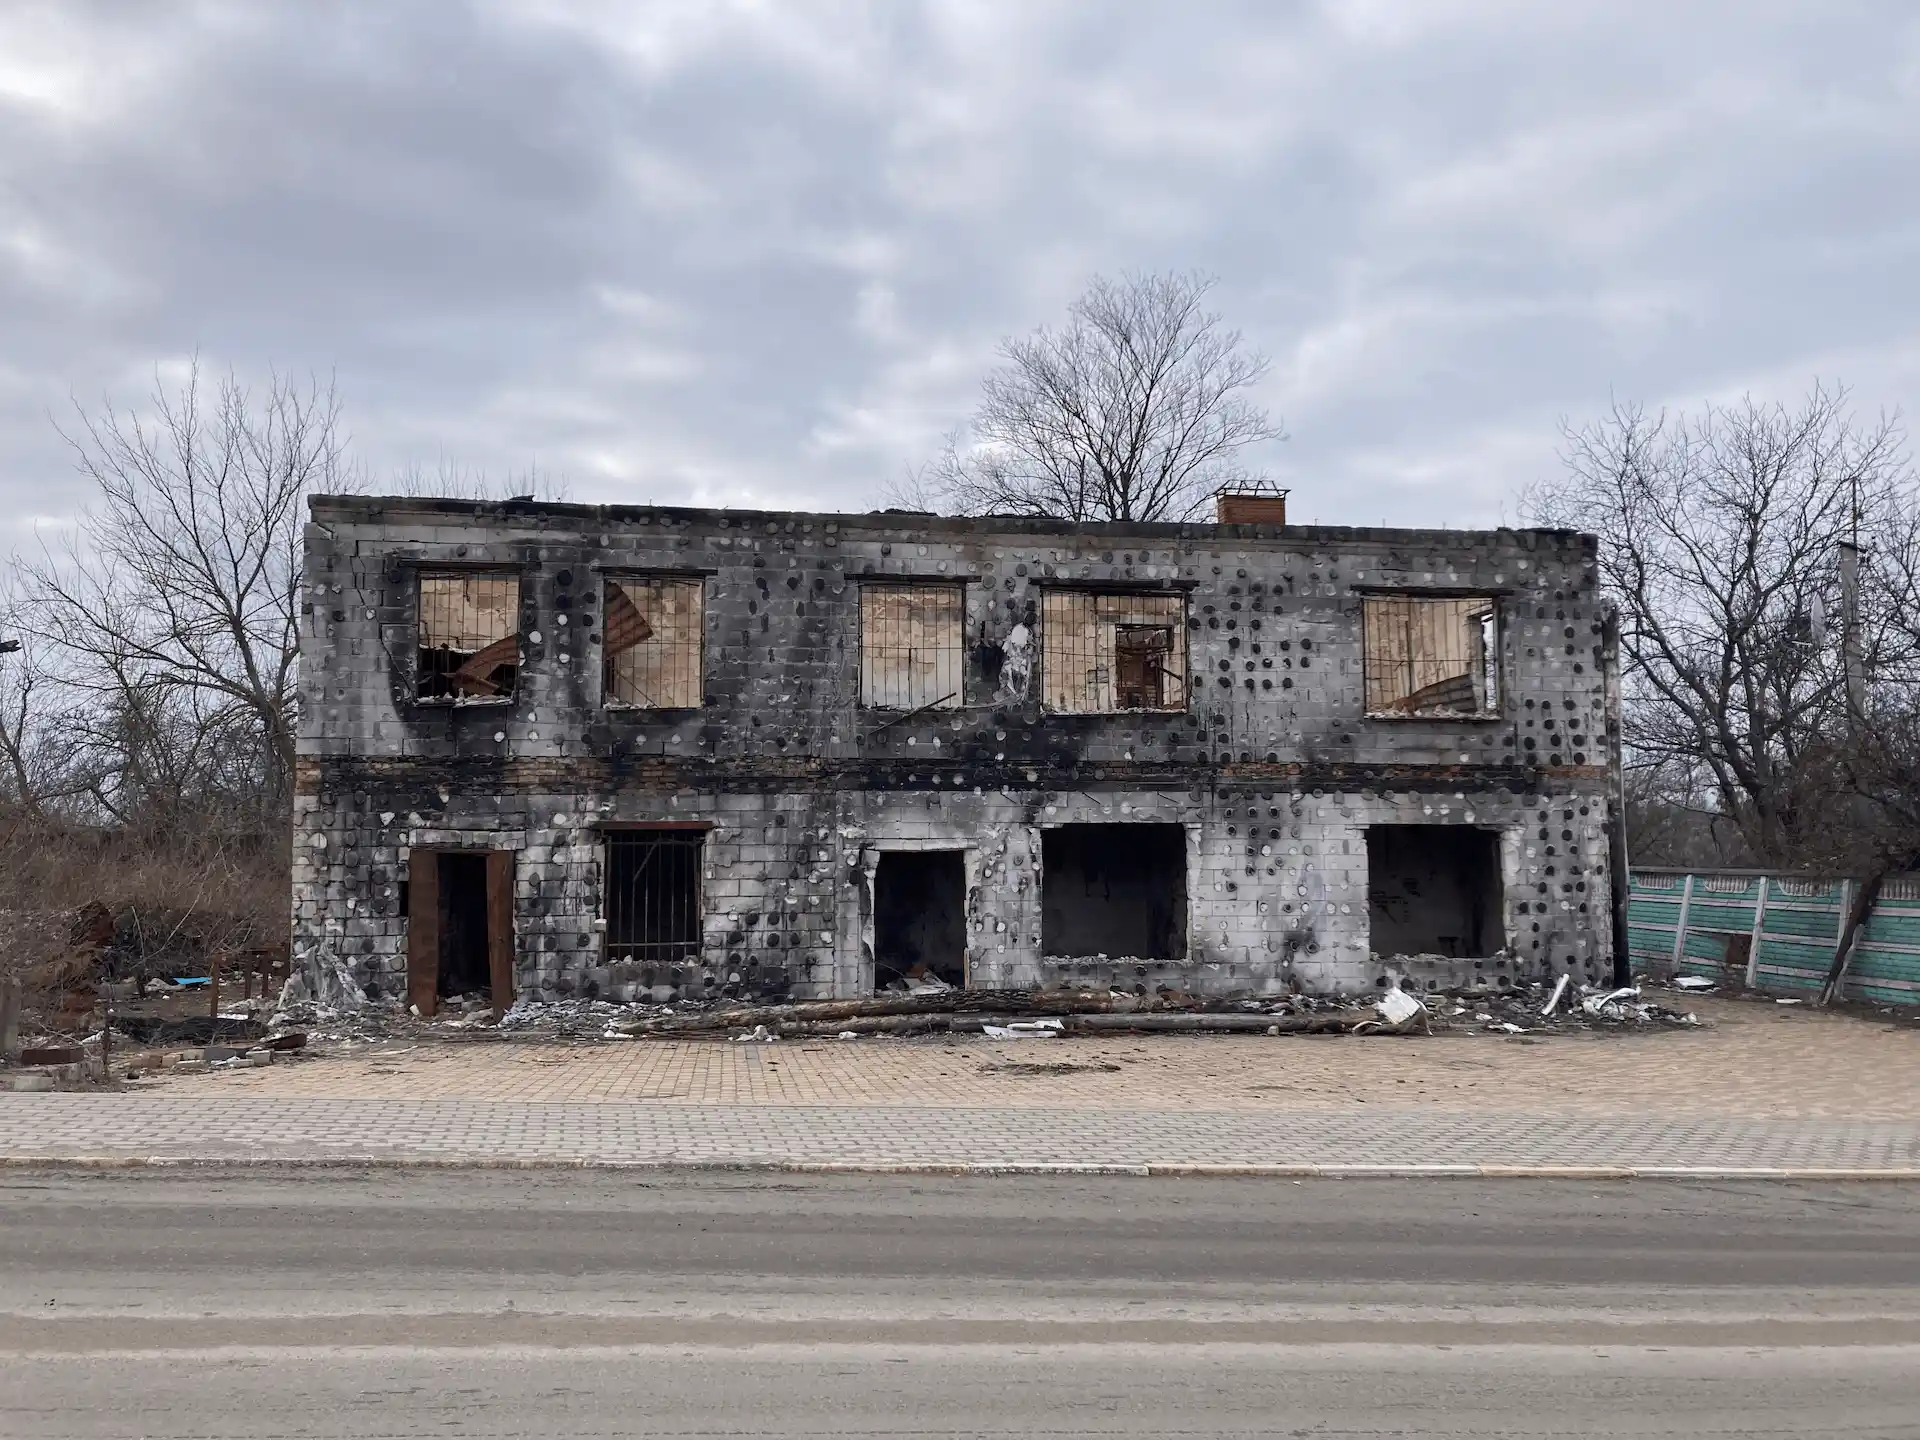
(321, 1008)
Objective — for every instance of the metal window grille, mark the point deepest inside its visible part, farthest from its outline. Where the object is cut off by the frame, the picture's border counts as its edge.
(653, 895)
(469, 636)
(653, 642)
(912, 646)
(1104, 652)
(1431, 655)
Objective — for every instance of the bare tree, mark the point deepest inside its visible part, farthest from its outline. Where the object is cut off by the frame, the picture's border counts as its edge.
(1136, 409)
(178, 595)
(41, 767)
(1719, 537)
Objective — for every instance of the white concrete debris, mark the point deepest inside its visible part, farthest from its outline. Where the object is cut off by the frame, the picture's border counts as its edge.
(1559, 990)
(1024, 1030)
(321, 978)
(1613, 1005)
(1397, 1007)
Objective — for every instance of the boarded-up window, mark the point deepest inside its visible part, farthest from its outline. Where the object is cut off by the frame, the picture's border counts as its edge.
(1106, 651)
(1432, 655)
(912, 646)
(653, 636)
(469, 638)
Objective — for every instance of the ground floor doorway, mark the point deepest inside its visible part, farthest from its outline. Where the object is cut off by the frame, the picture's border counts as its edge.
(920, 917)
(459, 926)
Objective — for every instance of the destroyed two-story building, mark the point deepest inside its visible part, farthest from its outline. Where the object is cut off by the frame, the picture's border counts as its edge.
(628, 752)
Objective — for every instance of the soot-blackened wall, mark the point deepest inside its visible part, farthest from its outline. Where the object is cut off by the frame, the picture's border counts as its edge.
(1271, 772)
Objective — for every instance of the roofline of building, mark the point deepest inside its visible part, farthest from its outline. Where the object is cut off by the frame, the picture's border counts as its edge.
(496, 512)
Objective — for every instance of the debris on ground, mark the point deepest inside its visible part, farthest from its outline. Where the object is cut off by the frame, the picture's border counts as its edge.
(1399, 1009)
(1050, 1067)
(1024, 1030)
(1559, 990)
(321, 978)
(321, 1010)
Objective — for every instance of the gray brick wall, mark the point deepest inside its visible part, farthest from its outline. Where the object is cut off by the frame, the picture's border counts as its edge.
(1274, 769)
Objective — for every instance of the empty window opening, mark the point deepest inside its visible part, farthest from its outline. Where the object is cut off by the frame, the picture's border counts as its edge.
(1117, 890)
(1434, 890)
(1103, 652)
(459, 908)
(653, 895)
(920, 918)
(653, 637)
(463, 925)
(1432, 655)
(912, 646)
(469, 637)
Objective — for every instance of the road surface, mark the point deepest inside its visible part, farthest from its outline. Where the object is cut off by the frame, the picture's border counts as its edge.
(370, 1304)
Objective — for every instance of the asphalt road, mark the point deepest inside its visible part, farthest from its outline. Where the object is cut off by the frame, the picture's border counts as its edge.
(592, 1303)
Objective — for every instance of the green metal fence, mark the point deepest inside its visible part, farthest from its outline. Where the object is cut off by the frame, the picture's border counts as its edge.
(1774, 932)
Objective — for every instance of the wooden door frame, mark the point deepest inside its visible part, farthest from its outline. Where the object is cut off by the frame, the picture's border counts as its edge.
(423, 924)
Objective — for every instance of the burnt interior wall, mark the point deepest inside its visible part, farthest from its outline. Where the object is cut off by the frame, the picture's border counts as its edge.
(1114, 890)
(920, 917)
(1434, 890)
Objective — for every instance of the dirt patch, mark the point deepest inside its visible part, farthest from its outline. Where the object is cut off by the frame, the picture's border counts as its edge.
(1051, 1067)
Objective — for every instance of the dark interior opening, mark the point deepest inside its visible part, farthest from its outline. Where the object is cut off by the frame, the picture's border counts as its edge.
(1118, 890)
(463, 925)
(1739, 949)
(653, 895)
(1434, 890)
(920, 917)
(1140, 665)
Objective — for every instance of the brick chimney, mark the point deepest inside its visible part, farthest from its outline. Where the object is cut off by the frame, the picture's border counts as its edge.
(1246, 507)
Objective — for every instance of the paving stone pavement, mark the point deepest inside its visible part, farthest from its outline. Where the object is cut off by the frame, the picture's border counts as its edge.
(1760, 1088)
(253, 1128)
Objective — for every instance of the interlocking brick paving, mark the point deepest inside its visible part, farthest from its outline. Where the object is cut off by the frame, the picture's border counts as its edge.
(1754, 1061)
(1762, 1087)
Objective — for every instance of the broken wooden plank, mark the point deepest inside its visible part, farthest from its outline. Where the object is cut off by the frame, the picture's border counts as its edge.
(922, 1003)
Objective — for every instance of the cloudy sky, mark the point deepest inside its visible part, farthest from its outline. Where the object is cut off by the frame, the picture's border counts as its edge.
(761, 253)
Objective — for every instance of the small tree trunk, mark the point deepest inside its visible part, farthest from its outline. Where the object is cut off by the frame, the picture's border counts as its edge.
(1863, 904)
(9, 1016)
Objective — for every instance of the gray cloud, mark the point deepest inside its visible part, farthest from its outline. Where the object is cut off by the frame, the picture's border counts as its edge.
(761, 253)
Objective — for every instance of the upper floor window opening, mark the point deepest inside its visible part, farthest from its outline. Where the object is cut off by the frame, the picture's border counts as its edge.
(654, 641)
(912, 646)
(469, 636)
(1432, 656)
(1110, 651)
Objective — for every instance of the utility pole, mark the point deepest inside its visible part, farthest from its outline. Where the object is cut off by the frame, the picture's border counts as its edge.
(1856, 668)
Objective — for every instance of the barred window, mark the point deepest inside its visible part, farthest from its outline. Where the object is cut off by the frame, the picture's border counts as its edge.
(469, 636)
(652, 642)
(912, 646)
(1432, 656)
(653, 895)
(1107, 651)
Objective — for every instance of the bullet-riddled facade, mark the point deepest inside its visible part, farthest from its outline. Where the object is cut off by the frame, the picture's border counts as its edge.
(555, 751)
